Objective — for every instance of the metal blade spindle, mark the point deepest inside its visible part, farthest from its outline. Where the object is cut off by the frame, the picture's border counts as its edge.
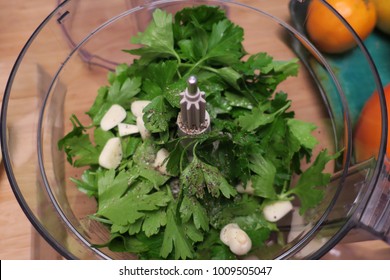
(193, 118)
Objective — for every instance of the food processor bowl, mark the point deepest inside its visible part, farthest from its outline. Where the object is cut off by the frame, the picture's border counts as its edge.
(67, 59)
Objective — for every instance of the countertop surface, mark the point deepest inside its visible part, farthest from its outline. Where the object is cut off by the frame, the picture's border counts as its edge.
(18, 20)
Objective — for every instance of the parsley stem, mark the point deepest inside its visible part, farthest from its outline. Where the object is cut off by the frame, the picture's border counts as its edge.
(76, 123)
(177, 56)
(249, 94)
(99, 219)
(193, 66)
(178, 73)
(285, 186)
(178, 63)
(196, 65)
(185, 151)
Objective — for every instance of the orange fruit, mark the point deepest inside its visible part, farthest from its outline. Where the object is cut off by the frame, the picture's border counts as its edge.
(368, 129)
(383, 13)
(329, 34)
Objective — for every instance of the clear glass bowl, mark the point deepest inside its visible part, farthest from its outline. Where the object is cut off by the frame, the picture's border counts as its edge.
(66, 60)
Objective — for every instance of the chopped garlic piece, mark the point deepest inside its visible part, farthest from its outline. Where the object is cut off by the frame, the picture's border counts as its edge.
(237, 239)
(277, 210)
(114, 116)
(138, 106)
(127, 129)
(142, 129)
(111, 155)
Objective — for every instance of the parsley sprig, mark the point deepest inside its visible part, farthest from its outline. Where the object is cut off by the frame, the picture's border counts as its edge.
(254, 138)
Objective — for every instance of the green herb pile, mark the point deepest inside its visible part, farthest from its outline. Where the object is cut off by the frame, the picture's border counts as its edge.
(254, 137)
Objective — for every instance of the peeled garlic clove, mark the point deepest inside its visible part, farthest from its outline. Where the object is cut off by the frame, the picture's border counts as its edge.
(240, 243)
(237, 239)
(138, 106)
(224, 235)
(277, 210)
(159, 163)
(142, 129)
(115, 115)
(111, 155)
(127, 129)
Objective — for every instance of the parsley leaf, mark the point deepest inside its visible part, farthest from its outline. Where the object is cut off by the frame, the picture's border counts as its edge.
(309, 183)
(175, 237)
(192, 232)
(152, 175)
(158, 114)
(88, 182)
(216, 182)
(122, 205)
(153, 221)
(224, 44)
(257, 228)
(99, 107)
(263, 181)
(190, 207)
(118, 93)
(129, 146)
(223, 212)
(124, 243)
(131, 207)
(174, 159)
(101, 137)
(213, 249)
(111, 187)
(192, 179)
(157, 39)
(198, 175)
(259, 117)
(200, 16)
(145, 154)
(78, 147)
(302, 131)
(259, 61)
(172, 92)
(121, 90)
(162, 73)
(121, 93)
(238, 101)
(265, 73)
(153, 243)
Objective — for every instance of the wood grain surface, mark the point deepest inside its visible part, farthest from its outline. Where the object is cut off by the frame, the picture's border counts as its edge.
(18, 20)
